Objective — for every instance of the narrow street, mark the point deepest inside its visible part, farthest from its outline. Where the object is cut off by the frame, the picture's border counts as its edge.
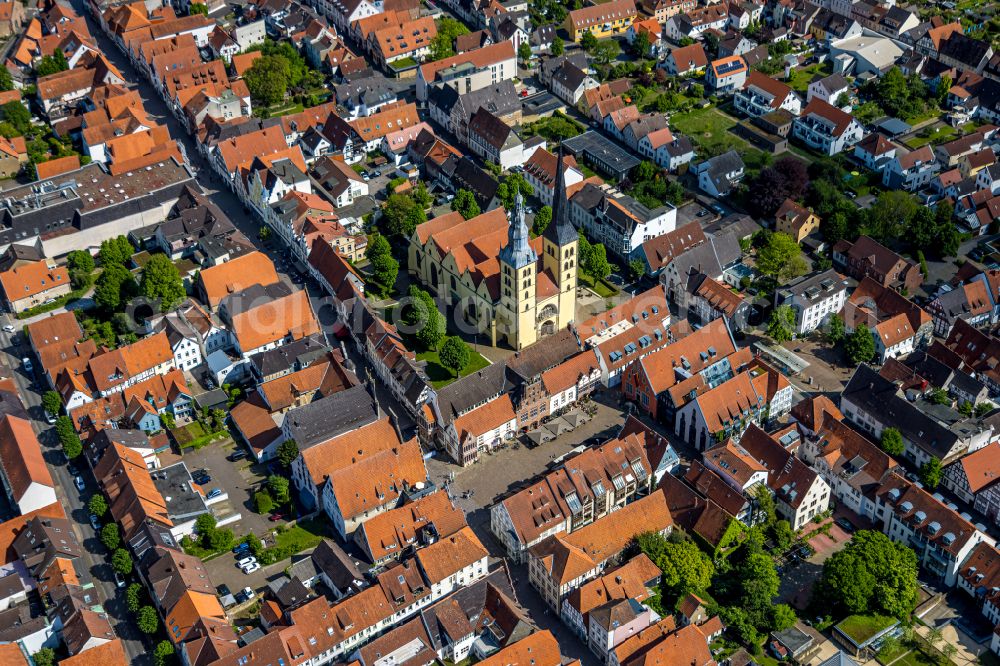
(74, 502)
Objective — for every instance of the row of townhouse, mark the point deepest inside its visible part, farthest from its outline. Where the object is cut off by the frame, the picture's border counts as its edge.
(585, 488)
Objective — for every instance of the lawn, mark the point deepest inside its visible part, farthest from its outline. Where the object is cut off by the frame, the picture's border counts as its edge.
(710, 130)
(803, 76)
(861, 628)
(916, 658)
(194, 436)
(602, 288)
(441, 376)
(403, 63)
(936, 135)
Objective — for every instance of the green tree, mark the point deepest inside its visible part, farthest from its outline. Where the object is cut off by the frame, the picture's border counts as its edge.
(163, 654)
(782, 617)
(19, 118)
(432, 328)
(508, 189)
(891, 214)
(97, 505)
(385, 268)
(401, 215)
(871, 574)
(781, 257)
(80, 260)
(205, 526)
(162, 281)
(121, 561)
(198, 8)
(278, 485)
(52, 64)
(264, 502)
(930, 473)
(939, 396)
(685, 569)
(116, 250)
(892, 442)
(983, 408)
(287, 452)
(110, 536)
(114, 286)
(221, 540)
(541, 222)
(455, 354)
(147, 620)
(133, 597)
(68, 438)
(268, 79)
(758, 585)
(783, 535)
(965, 408)
(524, 52)
(558, 46)
(860, 345)
(588, 42)
(598, 266)
(442, 46)
(781, 326)
(605, 51)
(640, 45)
(835, 330)
(52, 402)
(944, 85)
(465, 203)
(6, 80)
(636, 268)
(44, 657)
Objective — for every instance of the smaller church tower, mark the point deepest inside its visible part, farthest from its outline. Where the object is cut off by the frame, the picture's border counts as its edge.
(518, 263)
(560, 247)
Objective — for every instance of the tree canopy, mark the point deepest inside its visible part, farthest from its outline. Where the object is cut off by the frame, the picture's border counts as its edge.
(385, 268)
(268, 79)
(161, 281)
(787, 178)
(455, 354)
(860, 345)
(781, 326)
(442, 46)
(780, 257)
(465, 203)
(401, 214)
(892, 442)
(872, 574)
(116, 250)
(115, 285)
(930, 473)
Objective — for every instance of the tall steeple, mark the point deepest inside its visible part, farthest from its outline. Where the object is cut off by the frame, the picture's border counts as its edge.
(517, 253)
(560, 231)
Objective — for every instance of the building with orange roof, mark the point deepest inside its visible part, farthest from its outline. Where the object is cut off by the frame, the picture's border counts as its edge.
(193, 607)
(110, 653)
(898, 324)
(133, 497)
(709, 299)
(32, 284)
(231, 153)
(851, 464)
(406, 39)
(243, 61)
(481, 430)
(265, 317)
(517, 288)
(453, 562)
(10, 653)
(26, 478)
(561, 563)
(602, 20)
(809, 414)
(120, 368)
(571, 380)
(755, 394)
(13, 155)
(974, 479)
(538, 649)
(57, 166)
(469, 71)
(388, 536)
(218, 282)
(688, 645)
(633, 580)
(354, 139)
(685, 60)
(826, 128)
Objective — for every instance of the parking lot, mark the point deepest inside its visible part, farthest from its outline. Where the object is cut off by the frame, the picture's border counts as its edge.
(498, 474)
(799, 576)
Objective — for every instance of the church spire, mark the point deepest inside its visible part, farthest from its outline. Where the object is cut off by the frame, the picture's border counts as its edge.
(560, 231)
(517, 253)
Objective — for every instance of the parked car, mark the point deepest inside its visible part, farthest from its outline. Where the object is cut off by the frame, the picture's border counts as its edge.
(49, 418)
(275, 517)
(9, 328)
(249, 559)
(845, 524)
(26, 363)
(250, 568)
(201, 479)
(95, 522)
(249, 593)
(119, 580)
(242, 547)
(238, 454)
(80, 484)
(213, 493)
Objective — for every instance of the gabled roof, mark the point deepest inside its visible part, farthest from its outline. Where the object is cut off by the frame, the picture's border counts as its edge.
(254, 268)
(838, 119)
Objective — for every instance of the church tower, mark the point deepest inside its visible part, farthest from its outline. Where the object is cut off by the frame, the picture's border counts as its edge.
(518, 263)
(560, 241)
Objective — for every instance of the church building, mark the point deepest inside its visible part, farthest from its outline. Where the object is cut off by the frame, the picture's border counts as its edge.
(512, 287)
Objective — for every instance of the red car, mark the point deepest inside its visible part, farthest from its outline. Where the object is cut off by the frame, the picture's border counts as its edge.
(275, 517)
